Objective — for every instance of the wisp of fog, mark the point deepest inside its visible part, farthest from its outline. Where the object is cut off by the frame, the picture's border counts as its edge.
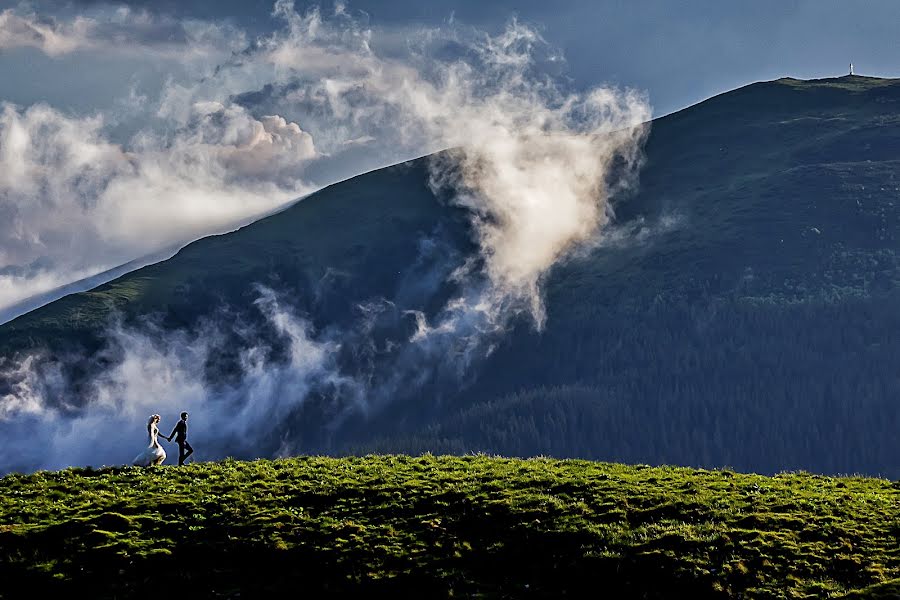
(533, 163)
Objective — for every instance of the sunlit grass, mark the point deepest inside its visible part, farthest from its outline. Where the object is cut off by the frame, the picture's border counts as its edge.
(472, 525)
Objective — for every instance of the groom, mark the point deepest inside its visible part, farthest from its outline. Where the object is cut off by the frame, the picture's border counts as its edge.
(180, 435)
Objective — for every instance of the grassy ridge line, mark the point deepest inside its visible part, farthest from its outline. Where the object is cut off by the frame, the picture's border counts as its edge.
(445, 526)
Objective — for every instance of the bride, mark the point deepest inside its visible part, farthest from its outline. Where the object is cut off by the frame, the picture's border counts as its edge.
(154, 453)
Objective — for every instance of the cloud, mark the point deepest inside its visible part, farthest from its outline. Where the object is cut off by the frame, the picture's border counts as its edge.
(46, 34)
(533, 162)
(23, 282)
(155, 371)
(73, 203)
(123, 30)
(267, 149)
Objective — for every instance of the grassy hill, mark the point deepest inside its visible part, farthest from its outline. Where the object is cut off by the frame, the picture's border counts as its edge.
(742, 310)
(469, 526)
(359, 229)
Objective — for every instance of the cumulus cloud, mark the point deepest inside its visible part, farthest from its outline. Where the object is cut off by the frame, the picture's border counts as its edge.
(267, 149)
(73, 203)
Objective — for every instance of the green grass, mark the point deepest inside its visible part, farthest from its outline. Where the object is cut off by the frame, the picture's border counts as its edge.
(470, 526)
(853, 83)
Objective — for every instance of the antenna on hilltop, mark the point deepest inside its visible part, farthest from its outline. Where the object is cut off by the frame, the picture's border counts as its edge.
(851, 68)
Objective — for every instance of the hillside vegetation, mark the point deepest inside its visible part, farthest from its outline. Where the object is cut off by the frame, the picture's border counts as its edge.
(742, 309)
(470, 526)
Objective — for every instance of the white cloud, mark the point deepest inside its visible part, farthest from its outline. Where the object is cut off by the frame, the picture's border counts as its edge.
(534, 163)
(74, 203)
(156, 372)
(46, 34)
(266, 149)
(124, 31)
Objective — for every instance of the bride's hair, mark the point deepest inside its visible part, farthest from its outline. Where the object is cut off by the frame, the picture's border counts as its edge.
(151, 420)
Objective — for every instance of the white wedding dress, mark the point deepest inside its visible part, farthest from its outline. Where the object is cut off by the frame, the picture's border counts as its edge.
(154, 453)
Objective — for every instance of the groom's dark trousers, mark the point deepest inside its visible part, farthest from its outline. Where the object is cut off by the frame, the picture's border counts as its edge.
(182, 446)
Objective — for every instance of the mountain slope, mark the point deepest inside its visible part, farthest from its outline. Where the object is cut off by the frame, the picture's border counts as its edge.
(325, 234)
(468, 526)
(88, 283)
(742, 310)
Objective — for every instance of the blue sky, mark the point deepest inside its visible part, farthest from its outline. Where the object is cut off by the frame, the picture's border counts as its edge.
(130, 127)
(679, 51)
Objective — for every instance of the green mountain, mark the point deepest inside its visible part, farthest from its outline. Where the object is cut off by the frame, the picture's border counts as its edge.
(742, 310)
(428, 527)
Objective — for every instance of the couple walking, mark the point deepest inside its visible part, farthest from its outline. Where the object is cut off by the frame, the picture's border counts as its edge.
(154, 454)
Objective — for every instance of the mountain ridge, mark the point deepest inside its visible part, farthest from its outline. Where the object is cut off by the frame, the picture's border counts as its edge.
(838, 81)
(739, 310)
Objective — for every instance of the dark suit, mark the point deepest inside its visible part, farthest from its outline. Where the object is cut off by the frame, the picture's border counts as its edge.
(180, 433)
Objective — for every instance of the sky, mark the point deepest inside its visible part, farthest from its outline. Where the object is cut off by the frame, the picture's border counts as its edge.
(130, 127)
(680, 51)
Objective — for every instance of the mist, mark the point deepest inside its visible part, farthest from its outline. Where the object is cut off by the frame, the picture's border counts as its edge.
(533, 163)
(158, 371)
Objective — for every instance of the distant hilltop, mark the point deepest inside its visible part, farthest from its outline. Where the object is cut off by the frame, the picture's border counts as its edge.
(741, 308)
